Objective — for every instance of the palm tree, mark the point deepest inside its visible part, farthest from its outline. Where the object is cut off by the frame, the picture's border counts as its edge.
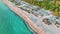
(57, 5)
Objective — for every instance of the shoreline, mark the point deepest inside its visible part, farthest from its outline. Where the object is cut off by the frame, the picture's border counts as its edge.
(28, 21)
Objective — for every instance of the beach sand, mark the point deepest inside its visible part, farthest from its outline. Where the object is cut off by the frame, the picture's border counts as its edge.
(28, 21)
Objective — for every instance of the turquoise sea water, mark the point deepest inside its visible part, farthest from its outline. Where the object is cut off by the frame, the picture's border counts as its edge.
(10, 23)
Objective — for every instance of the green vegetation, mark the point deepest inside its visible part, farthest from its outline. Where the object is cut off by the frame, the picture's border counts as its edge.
(52, 5)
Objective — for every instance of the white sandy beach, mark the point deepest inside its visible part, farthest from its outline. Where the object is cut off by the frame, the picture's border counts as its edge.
(28, 21)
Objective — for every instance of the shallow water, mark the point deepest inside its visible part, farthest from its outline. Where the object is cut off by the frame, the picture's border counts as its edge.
(10, 23)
